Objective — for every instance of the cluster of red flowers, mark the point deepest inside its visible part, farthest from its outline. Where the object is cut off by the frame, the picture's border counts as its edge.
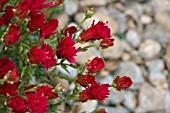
(27, 17)
(97, 32)
(43, 55)
(36, 101)
(93, 89)
(96, 90)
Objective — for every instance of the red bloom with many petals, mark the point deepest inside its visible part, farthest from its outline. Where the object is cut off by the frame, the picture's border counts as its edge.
(27, 6)
(95, 91)
(95, 65)
(9, 89)
(2, 3)
(5, 18)
(96, 32)
(122, 82)
(12, 36)
(46, 91)
(85, 80)
(44, 55)
(66, 49)
(5, 66)
(48, 29)
(17, 104)
(37, 21)
(37, 103)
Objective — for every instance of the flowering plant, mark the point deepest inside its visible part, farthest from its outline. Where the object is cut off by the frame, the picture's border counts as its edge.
(31, 47)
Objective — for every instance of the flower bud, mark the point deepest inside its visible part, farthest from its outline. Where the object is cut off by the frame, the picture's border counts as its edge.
(122, 82)
(58, 2)
(89, 13)
(95, 65)
(59, 88)
(13, 75)
(99, 111)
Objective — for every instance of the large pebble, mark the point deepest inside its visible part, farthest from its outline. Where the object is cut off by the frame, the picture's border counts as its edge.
(88, 106)
(74, 6)
(151, 100)
(167, 57)
(93, 2)
(133, 38)
(149, 49)
(155, 32)
(114, 52)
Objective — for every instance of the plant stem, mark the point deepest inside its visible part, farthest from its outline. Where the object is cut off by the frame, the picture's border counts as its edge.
(80, 24)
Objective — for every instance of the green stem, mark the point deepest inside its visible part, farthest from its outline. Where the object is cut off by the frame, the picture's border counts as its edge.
(66, 77)
(85, 48)
(53, 41)
(112, 85)
(80, 24)
(36, 42)
(22, 83)
(71, 65)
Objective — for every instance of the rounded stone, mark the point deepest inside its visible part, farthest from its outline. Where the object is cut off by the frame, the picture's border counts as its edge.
(149, 49)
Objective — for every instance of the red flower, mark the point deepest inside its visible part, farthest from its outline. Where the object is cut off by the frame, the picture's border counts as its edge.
(84, 96)
(9, 89)
(95, 91)
(100, 111)
(106, 42)
(37, 103)
(48, 29)
(9, 14)
(96, 32)
(12, 35)
(122, 82)
(14, 75)
(17, 104)
(66, 49)
(2, 3)
(71, 30)
(44, 55)
(31, 5)
(46, 91)
(2, 21)
(95, 65)
(85, 80)
(5, 66)
(37, 21)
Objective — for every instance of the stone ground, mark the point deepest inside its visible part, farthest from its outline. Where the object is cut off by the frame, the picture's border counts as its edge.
(141, 29)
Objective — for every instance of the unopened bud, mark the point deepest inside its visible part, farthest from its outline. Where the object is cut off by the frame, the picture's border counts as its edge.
(59, 88)
(99, 111)
(89, 13)
(57, 2)
(13, 75)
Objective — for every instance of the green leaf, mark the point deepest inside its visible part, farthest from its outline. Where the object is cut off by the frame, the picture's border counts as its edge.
(84, 112)
(60, 75)
(23, 71)
(2, 99)
(65, 68)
